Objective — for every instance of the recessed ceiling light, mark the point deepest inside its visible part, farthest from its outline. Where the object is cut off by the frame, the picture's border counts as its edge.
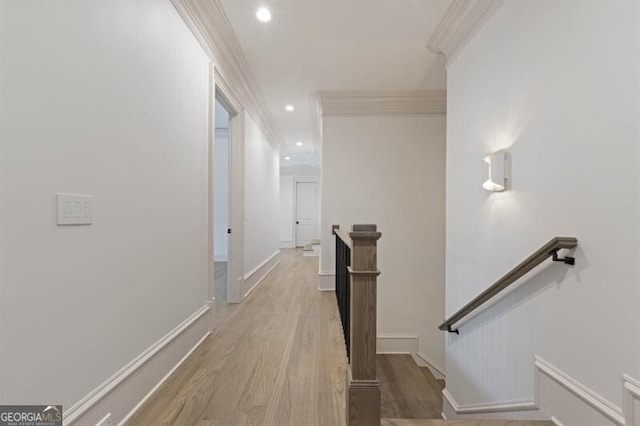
(287, 158)
(299, 143)
(289, 108)
(263, 14)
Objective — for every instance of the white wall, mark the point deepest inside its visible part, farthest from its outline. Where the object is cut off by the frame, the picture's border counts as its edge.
(108, 99)
(390, 171)
(221, 193)
(262, 203)
(557, 84)
(286, 218)
(300, 170)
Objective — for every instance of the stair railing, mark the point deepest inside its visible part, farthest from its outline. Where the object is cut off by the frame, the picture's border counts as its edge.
(343, 282)
(356, 293)
(550, 249)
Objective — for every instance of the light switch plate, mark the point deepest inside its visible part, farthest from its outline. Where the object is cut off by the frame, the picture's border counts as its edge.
(74, 209)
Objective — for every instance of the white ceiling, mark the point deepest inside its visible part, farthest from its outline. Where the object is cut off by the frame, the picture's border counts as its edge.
(312, 45)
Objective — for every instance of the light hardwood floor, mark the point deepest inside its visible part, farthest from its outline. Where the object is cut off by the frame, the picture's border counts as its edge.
(407, 391)
(277, 358)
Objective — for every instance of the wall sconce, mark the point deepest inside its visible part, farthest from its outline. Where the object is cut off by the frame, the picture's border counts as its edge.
(496, 171)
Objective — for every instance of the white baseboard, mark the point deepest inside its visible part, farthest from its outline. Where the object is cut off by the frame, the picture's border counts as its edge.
(257, 274)
(326, 281)
(152, 392)
(524, 409)
(558, 397)
(211, 317)
(407, 344)
(396, 343)
(286, 244)
(569, 401)
(220, 258)
(631, 397)
(120, 394)
(424, 361)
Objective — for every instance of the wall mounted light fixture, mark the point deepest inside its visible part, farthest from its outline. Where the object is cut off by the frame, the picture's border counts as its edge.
(496, 171)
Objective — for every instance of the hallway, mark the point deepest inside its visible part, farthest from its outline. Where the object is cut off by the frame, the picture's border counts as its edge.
(277, 358)
(468, 132)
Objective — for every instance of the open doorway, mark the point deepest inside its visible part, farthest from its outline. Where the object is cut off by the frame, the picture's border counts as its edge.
(227, 195)
(221, 210)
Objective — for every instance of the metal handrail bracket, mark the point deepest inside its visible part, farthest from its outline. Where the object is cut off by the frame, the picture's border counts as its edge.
(550, 249)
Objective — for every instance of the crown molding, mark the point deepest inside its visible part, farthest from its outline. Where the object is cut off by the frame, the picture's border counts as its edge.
(461, 22)
(209, 23)
(382, 103)
(227, 98)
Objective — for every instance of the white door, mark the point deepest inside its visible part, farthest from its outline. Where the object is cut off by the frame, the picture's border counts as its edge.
(306, 213)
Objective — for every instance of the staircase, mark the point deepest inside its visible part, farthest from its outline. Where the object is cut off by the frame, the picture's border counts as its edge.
(407, 390)
(382, 389)
(312, 249)
(411, 396)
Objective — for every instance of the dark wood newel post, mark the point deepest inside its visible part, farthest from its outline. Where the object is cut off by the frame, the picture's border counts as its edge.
(363, 395)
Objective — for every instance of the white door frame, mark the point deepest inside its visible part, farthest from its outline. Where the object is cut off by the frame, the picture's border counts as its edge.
(302, 179)
(209, 290)
(235, 266)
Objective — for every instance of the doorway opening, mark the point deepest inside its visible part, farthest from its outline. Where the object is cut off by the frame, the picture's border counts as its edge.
(222, 208)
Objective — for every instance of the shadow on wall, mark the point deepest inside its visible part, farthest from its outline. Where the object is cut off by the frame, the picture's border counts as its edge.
(554, 273)
(485, 335)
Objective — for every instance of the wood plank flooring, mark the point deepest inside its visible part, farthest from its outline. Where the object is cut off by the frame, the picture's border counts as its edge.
(407, 391)
(276, 359)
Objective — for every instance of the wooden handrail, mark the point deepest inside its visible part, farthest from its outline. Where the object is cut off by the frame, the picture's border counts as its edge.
(550, 249)
(343, 235)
